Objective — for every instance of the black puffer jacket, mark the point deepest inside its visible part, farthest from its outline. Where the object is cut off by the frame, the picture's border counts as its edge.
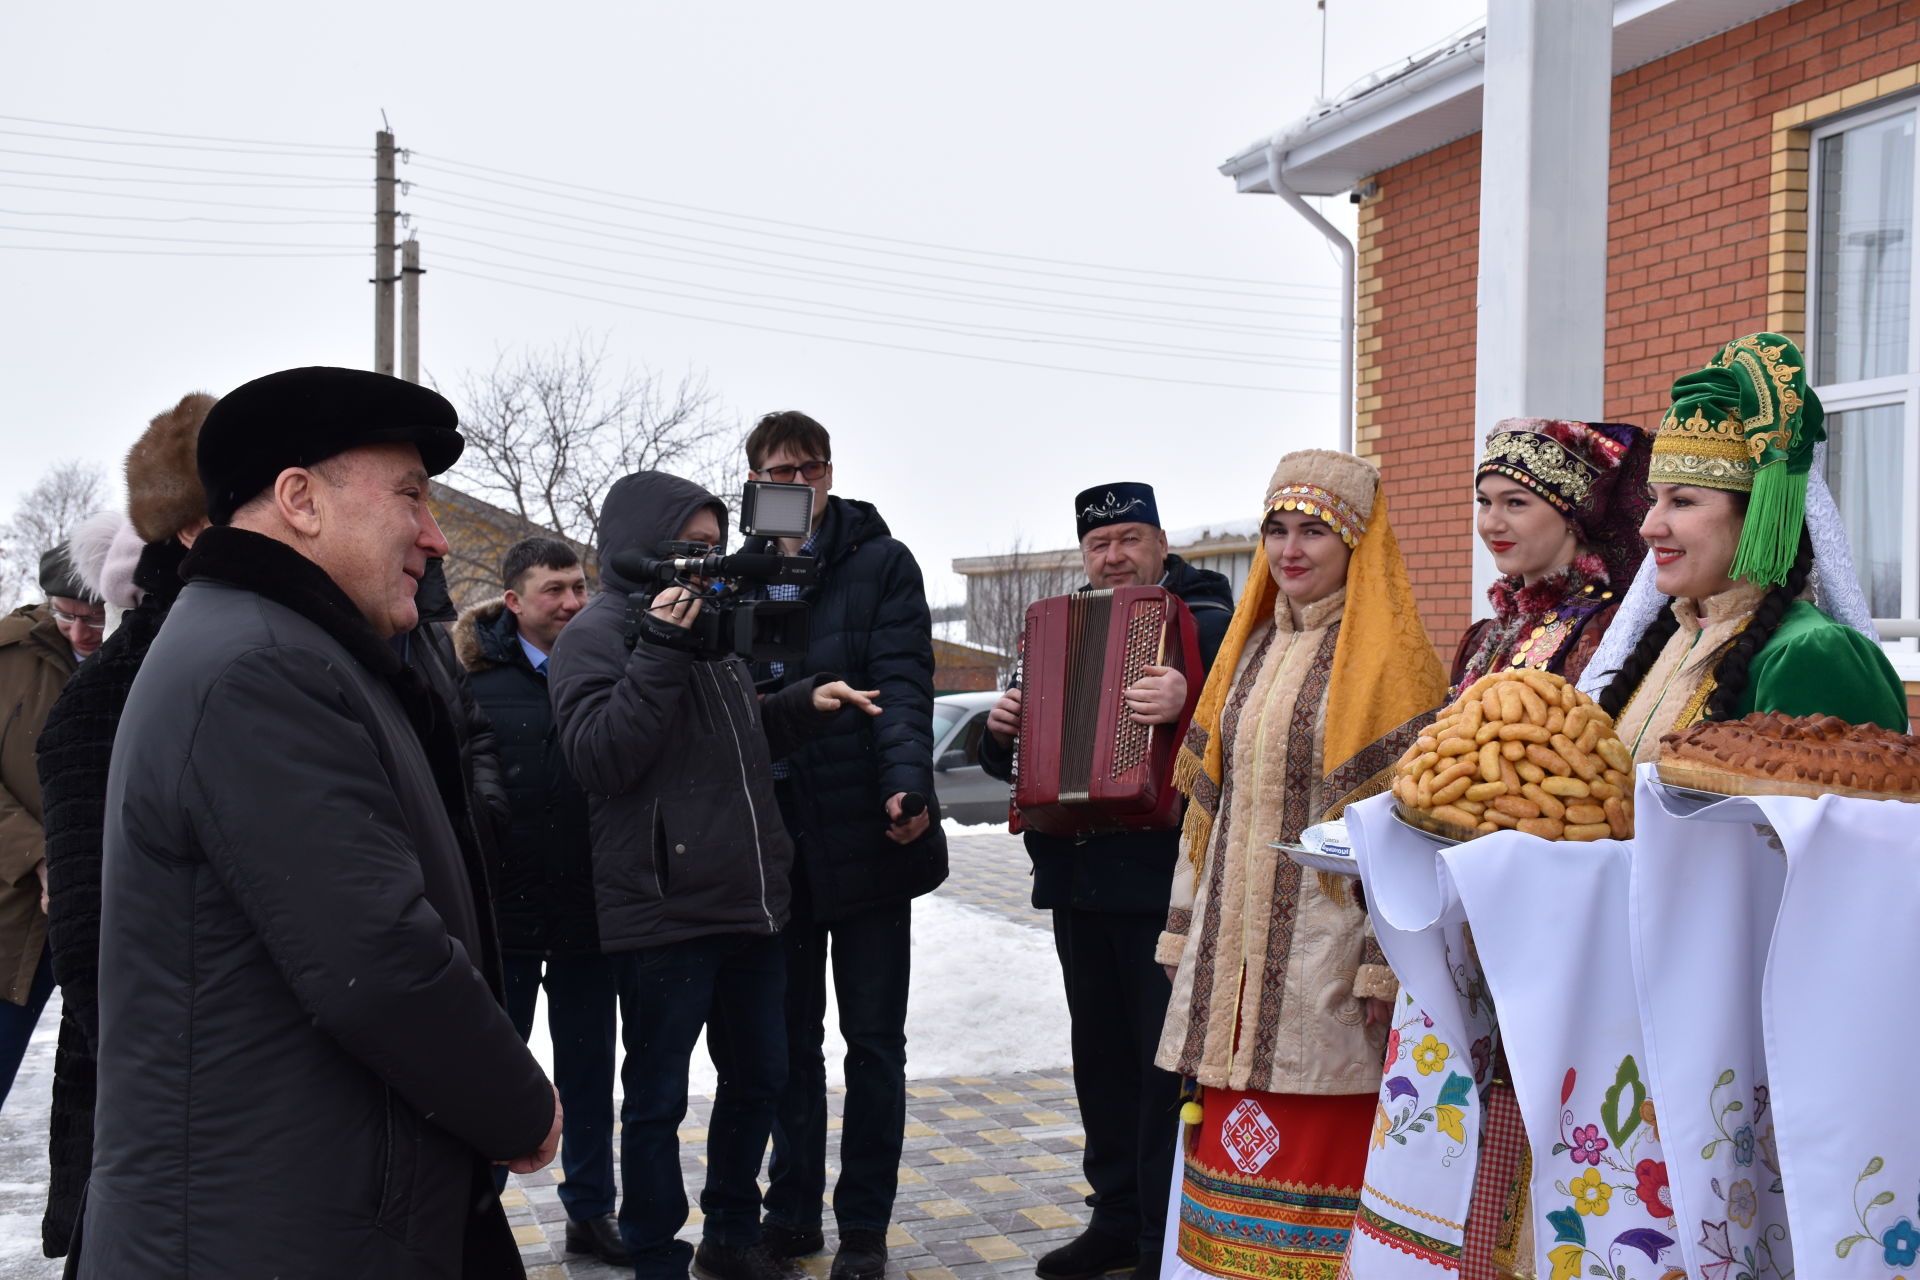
(675, 752)
(303, 1068)
(1132, 872)
(867, 621)
(75, 747)
(542, 868)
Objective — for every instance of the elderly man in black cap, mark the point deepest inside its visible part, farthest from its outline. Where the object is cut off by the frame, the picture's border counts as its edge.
(40, 645)
(1108, 895)
(305, 1069)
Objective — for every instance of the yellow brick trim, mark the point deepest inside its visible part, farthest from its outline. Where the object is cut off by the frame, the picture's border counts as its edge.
(1787, 173)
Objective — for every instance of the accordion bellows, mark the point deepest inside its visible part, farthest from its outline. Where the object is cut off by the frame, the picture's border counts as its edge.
(1083, 765)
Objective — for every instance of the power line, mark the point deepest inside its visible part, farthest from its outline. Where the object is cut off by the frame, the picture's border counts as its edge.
(144, 195)
(172, 146)
(174, 168)
(808, 275)
(195, 137)
(419, 189)
(873, 342)
(854, 248)
(126, 235)
(314, 185)
(174, 253)
(924, 323)
(427, 160)
(186, 217)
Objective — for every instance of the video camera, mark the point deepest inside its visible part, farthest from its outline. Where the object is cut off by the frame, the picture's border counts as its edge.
(729, 623)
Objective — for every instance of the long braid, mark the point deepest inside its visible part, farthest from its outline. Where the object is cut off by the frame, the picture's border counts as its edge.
(1730, 668)
(1620, 690)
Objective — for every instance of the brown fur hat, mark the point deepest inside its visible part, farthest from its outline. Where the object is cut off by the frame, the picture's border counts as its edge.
(163, 480)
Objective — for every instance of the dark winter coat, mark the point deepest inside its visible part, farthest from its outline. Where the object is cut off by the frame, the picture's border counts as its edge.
(542, 867)
(867, 620)
(1132, 872)
(303, 1067)
(35, 662)
(75, 748)
(675, 752)
(431, 650)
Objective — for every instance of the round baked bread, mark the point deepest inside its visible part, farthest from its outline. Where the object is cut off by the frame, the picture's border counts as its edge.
(1521, 750)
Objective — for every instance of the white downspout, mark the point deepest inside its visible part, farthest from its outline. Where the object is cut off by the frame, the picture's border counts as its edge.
(1348, 284)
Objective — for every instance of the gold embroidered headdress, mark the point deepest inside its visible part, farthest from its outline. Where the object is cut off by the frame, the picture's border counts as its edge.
(1747, 423)
(1385, 670)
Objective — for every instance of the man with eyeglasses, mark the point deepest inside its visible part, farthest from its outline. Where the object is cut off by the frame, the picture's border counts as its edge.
(861, 858)
(40, 648)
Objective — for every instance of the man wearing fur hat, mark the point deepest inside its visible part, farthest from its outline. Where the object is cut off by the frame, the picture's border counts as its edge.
(304, 1068)
(166, 510)
(40, 645)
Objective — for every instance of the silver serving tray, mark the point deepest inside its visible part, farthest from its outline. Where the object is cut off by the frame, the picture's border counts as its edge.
(1432, 837)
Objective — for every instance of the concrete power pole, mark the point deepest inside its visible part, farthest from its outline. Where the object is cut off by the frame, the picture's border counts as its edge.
(410, 274)
(385, 186)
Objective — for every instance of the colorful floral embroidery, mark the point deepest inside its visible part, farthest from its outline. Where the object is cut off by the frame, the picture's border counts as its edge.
(1612, 1174)
(1431, 1056)
(1748, 1136)
(1899, 1242)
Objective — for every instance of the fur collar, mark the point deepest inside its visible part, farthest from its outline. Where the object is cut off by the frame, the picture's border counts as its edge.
(1512, 598)
(157, 573)
(257, 563)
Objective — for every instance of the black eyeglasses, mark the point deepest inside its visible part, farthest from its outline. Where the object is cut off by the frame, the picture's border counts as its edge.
(811, 469)
(89, 622)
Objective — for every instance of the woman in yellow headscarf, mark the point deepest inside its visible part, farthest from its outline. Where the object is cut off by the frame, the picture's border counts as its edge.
(1279, 990)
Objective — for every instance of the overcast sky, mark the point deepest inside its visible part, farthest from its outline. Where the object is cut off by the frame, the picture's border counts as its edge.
(783, 152)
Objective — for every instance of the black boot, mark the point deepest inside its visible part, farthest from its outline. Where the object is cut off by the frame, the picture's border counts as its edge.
(862, 1255)
(1094, 1253)
(599, 1237)
(783, 1241)
(740, 1262)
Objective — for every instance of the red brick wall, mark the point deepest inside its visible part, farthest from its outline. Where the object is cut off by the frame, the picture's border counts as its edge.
(1692, 144)
(1419, 249)
(1693, 138)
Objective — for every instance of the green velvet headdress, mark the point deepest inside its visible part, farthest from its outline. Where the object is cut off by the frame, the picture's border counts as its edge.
(1747, 423)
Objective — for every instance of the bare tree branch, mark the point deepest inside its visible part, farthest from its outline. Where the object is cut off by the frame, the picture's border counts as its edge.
(997, 601)
(549, 431)
(68, 493)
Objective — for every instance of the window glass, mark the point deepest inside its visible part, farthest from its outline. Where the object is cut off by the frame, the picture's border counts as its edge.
(945, 716)
(1866, 469)
(1865, 248)
(969, 739)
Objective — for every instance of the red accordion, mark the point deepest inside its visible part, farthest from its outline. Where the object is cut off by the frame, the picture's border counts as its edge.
(1082, 764)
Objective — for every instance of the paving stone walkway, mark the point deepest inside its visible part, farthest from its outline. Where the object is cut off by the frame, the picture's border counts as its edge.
(990, 1176)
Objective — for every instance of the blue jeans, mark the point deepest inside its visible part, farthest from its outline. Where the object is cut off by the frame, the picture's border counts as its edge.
(731, 984)
(17, 1022)
(870, 954)
(583, 991)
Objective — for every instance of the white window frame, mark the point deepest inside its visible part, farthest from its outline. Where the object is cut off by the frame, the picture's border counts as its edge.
(1897, 634)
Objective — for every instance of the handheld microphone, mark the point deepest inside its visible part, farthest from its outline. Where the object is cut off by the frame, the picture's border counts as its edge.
(912, 805)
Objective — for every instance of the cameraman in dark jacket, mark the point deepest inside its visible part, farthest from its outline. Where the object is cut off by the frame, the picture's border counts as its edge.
(861, 860)
(1106, 894)
(690, 865)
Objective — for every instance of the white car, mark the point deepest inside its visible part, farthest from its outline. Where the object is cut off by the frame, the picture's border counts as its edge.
(967, 794)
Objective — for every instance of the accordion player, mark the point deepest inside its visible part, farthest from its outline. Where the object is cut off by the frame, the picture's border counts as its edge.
(1082, 764)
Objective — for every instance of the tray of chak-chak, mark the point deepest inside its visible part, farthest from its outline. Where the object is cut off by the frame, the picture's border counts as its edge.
(1769, 754)
(1520, 751)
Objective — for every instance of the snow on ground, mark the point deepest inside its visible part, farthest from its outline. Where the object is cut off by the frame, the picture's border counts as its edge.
(23, 1156)
(985, 999)
(953, 828)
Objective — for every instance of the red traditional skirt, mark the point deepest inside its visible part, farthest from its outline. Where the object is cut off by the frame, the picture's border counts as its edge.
(1272, 1184)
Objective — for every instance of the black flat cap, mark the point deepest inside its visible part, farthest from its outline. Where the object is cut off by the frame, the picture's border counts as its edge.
(298, 417)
